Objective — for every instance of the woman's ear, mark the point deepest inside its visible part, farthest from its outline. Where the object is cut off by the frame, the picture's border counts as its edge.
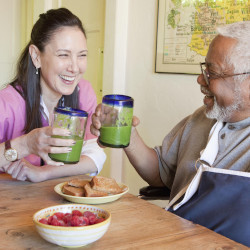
(35, 55)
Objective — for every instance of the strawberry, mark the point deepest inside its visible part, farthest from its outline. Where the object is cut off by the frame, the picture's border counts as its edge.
(99, 220)
(59, 215)
(76, 212)
(87, 213)
(92, 219)
(55, 222)
(67, 219)
(44, 221)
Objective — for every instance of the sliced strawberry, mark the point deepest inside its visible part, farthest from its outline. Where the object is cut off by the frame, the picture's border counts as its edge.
(88, 213)
(67, 219)
(99, 220)
(59, 215)
(44, 221)
(76, 212)
(92, 219)
(55, 222)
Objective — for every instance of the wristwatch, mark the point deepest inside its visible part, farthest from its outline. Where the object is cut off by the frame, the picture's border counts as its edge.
(10, 154)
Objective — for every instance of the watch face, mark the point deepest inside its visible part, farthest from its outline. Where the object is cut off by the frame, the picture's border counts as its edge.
(10, 154)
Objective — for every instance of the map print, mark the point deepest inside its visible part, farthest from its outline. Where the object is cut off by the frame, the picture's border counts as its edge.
(189, 26)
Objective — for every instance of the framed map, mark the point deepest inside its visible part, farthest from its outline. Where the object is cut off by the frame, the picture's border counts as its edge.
(186, 28)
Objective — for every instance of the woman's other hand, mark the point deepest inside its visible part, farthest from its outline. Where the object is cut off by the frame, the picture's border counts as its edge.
(23, 170)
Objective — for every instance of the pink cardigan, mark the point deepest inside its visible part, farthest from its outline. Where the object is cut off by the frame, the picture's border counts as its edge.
(13, 113)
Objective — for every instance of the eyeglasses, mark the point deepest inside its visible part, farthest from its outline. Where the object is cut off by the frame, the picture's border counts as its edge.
(209, 77)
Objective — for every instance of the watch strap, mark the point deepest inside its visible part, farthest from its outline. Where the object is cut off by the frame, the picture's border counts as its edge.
(7, 144)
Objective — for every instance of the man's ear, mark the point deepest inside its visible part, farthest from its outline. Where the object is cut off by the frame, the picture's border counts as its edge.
(35, 55)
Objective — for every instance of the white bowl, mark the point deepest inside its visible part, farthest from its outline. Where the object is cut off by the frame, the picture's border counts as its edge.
(72, 236)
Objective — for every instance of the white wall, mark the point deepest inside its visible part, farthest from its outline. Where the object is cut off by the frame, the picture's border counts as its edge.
(161, 100)
(10, 26)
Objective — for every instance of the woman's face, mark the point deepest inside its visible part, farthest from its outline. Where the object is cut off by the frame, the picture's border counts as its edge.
(63, 62)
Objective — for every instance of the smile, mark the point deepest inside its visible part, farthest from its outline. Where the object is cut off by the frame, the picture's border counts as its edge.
(206, 92)
(68, 78)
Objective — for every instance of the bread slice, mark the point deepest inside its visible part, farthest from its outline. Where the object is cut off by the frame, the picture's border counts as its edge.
(77, 182)
(74, 191)
(108, 185)
(89, 192)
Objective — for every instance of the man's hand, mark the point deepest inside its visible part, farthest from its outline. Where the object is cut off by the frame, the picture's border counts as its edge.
(97, 118)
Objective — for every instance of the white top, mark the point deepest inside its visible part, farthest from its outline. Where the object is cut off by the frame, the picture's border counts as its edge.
(90, 147)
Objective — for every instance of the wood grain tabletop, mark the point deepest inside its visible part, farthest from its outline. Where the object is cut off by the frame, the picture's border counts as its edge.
(135, 223)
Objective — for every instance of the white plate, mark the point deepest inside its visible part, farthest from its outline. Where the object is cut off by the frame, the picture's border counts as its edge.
(90, 200)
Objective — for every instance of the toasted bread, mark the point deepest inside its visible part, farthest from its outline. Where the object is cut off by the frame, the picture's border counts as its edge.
(74, 191)
(108, 185)
(77, 182)
(89, 192)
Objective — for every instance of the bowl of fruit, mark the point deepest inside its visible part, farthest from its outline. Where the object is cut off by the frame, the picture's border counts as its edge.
(72, 225)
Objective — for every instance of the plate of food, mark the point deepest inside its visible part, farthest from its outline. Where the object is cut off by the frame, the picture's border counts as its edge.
(98, 190)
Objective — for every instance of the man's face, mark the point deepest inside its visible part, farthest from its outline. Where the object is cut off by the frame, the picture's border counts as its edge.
(226, 99)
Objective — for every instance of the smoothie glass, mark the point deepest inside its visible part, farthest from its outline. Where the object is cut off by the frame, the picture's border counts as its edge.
(116, 120)
(74, 120)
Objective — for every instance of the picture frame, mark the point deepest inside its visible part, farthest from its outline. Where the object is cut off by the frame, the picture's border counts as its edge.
(186, 28)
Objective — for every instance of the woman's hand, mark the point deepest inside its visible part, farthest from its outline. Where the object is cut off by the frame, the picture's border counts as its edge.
(40, 142)
(23, 170)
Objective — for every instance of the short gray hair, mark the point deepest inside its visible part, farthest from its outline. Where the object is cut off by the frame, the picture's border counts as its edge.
(239, 57)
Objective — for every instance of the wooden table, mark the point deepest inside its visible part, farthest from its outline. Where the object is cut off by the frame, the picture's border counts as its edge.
(135, 223)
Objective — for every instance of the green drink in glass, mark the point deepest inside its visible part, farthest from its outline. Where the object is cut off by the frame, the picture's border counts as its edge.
(74, 120)
(116, 120)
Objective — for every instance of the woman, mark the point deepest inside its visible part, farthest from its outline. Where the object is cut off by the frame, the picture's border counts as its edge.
(49, 74)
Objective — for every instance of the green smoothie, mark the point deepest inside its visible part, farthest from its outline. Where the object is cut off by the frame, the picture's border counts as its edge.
(117, 137)
(71, 157)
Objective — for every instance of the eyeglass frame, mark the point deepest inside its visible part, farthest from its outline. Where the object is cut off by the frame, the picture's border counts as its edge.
(208, 78)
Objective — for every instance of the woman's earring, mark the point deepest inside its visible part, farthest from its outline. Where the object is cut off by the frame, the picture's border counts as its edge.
(36, 71)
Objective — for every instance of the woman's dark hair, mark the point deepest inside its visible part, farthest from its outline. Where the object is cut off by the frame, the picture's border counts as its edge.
(26, 81)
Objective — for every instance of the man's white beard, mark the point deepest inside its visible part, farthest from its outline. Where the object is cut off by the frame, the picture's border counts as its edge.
(223, 113)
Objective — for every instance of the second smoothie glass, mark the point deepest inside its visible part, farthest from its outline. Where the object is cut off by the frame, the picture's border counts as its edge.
(116, 120)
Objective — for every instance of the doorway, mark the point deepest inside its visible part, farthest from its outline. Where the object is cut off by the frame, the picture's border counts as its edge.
(92, 15)
(22, 15)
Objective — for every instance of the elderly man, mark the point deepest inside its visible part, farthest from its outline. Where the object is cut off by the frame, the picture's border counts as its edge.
(216, 135)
